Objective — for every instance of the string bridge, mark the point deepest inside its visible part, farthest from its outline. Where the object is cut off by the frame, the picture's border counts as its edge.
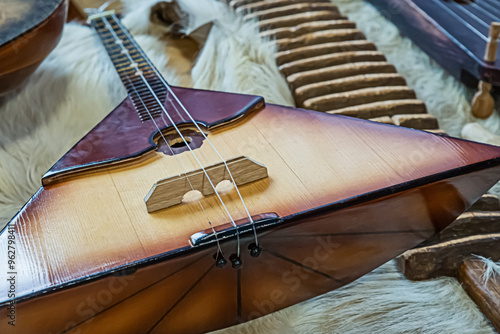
(168, 192)
(228, 230)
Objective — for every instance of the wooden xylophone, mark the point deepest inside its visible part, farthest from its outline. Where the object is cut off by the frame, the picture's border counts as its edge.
(330, 66)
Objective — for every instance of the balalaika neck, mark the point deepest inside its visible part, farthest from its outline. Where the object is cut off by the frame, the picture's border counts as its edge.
(144, 84)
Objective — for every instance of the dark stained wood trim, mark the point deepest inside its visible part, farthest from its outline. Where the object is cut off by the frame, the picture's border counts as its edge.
(489, 167)
(424, 22)
(121, 136)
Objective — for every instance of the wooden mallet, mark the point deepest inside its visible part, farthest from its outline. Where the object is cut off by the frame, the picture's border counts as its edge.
(483, 103)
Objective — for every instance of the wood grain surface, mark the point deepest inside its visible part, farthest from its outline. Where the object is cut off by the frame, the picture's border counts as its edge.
(486, 293)
(89, 225)
(454, 38)
(29, 31)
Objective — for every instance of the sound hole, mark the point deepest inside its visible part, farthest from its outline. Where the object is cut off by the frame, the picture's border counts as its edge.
(179, 142)
(173, 143)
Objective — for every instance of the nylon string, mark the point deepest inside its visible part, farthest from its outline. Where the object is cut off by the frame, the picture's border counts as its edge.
(193, 121)
(139, 73)
(132, 61)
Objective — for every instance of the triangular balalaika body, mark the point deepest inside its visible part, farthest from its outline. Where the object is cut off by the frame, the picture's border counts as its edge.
(341, 197)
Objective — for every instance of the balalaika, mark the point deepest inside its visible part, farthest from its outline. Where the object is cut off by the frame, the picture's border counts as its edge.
(186, 211)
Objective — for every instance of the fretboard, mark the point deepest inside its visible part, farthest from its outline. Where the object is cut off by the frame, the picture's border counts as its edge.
(141, 79)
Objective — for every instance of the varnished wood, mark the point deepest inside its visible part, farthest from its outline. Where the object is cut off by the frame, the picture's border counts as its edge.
(490, 54)
(170, 191)
(443, 29)
(29, 30)
(486, 293)
(81, 229)
(483, 104)
(487, 202)
(445, 258)
(110, 228)
(474, 232)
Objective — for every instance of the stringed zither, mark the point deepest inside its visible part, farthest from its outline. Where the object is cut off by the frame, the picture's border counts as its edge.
(186, 211)
(460, 35)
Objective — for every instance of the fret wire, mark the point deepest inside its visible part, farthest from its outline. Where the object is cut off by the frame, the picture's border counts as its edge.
(124, 66)
(142, 63)
(101, 30)
(181, 105)
(108, 33)
(151, 79)
(139, 58)
(114, 45)
(150, 106)
(151, 84)
(136, 88)
(160, 91)
(131, 69)
(144, 92)
(120, 55)
(128, 75)
(112, 24)
(120, 58)
(111, 41)
(130, 51)
(108, 40)
(121, 63)
(149, 99)
(142, 87)
(146, 70)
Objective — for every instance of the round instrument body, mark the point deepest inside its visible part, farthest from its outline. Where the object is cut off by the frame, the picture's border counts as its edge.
(29, 31)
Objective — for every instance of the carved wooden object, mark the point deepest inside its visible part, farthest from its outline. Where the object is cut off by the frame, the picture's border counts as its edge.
(343, 196)
(170, 191)
(454, 33)
(329, 64)
(486, 293)
(444, 259)
(476, 232)
(483, 103)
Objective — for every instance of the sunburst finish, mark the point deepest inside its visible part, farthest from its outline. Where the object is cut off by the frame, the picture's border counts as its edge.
(342, 197)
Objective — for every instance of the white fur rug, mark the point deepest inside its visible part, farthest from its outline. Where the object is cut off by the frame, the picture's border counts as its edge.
(76, 86)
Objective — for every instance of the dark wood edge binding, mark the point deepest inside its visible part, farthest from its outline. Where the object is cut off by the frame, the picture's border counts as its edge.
(272, 223)
(55, 173)
(415, 23)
